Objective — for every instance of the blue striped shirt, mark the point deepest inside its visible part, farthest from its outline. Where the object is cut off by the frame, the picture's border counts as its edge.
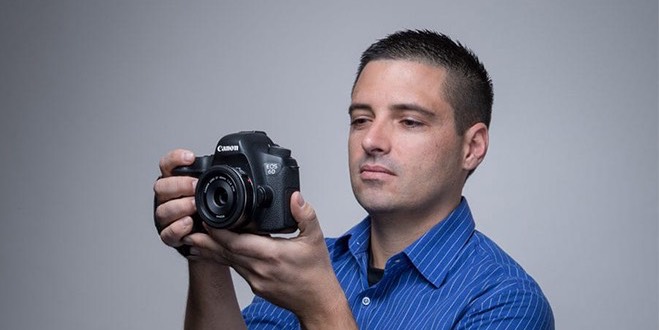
(453, 277)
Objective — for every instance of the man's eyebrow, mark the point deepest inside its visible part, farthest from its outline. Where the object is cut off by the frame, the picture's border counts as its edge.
(396, 107)
(359, 106)
(414, 107)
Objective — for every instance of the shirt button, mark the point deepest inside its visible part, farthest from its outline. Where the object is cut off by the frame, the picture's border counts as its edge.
(366, 301)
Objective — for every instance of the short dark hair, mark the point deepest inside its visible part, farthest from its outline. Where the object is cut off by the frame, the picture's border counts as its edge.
(467, 87)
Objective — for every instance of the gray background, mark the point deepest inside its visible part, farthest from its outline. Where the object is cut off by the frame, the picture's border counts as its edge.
(93, 93)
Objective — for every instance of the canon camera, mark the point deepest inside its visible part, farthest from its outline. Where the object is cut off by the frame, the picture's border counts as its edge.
(246, 185)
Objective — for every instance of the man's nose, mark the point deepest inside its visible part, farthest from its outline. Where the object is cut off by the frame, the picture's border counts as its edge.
(378, 138)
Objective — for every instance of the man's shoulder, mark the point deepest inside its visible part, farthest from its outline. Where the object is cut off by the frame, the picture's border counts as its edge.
(500, 288)
(484, 271)
(482, 257)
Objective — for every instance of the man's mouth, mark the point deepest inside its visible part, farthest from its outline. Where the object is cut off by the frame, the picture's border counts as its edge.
(374, 171)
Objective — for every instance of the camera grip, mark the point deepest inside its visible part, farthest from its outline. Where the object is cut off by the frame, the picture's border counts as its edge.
(195, 169)
(199, 166)
(184, 250)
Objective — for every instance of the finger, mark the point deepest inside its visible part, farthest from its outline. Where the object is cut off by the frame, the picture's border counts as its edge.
(173, 210)
(174, 233)
(305, 215)
(205, 246)
(240, 252)
(174, 187)
(175, 158)
(243, 244)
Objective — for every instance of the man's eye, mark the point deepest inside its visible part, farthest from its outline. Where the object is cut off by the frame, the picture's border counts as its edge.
(358, 121)
(411, 123)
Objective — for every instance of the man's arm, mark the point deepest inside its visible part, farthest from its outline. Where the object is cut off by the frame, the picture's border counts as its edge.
(292, 273)
(515, 307)
(212, 302)
(295, 273)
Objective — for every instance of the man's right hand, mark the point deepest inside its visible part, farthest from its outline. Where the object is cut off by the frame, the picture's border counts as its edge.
(174, 195)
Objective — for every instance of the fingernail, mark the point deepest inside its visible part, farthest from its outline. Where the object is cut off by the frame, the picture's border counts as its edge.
(188, 156)
(187, 221)
(194, 184)
(187, 240)
(300, 200)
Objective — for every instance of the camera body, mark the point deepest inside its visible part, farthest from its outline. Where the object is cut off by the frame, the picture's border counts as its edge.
(246, 185)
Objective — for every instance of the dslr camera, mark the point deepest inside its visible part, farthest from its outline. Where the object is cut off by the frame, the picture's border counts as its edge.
(246, 185)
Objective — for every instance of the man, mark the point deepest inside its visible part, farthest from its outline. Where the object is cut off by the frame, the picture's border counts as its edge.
(419, 120)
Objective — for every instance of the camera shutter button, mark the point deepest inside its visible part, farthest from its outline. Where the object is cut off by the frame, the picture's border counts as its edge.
(279, 151)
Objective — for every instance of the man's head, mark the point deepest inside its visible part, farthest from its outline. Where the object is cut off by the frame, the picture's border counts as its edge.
(467, 87)
(409, 153)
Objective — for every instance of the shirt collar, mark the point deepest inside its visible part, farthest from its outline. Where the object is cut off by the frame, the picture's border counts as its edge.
(432, 254)
(356, 240)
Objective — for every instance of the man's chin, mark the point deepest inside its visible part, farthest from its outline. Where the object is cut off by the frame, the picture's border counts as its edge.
(377, 206)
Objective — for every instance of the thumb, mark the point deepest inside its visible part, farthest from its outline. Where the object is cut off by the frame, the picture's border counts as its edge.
(305, 215)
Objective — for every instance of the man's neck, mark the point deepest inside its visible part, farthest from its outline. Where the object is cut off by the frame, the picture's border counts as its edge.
(393, 233)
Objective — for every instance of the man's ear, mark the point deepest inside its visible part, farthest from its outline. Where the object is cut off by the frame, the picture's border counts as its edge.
(476, 141)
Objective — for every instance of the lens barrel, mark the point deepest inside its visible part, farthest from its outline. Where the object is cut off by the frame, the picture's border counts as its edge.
(224, 197)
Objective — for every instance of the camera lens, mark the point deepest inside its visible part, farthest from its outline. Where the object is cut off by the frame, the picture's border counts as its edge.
(220, 195)
(223, 195)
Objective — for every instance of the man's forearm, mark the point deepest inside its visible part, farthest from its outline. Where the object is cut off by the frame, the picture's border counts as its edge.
(333, 312)
(339, 317)
(212, 302)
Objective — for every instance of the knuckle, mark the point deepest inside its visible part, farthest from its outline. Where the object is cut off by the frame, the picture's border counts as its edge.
(237, 249)
(191, 206)
(162, 164)
(163, 213)
(159, 213)
(168, 161)
(311, 214)
(173, 233)
(167, 237)
(179, 229)
(157, 186)
(257, 288)
(257, 281)
(223, 256)
(233, 247)
(273, 256)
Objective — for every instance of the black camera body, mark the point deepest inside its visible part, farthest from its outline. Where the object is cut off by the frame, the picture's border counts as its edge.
(246, 185)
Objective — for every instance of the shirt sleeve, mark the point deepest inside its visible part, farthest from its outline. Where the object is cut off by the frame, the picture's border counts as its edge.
(512, 308)
(261, 315)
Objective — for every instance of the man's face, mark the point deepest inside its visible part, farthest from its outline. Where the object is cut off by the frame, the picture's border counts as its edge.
(405, 156)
